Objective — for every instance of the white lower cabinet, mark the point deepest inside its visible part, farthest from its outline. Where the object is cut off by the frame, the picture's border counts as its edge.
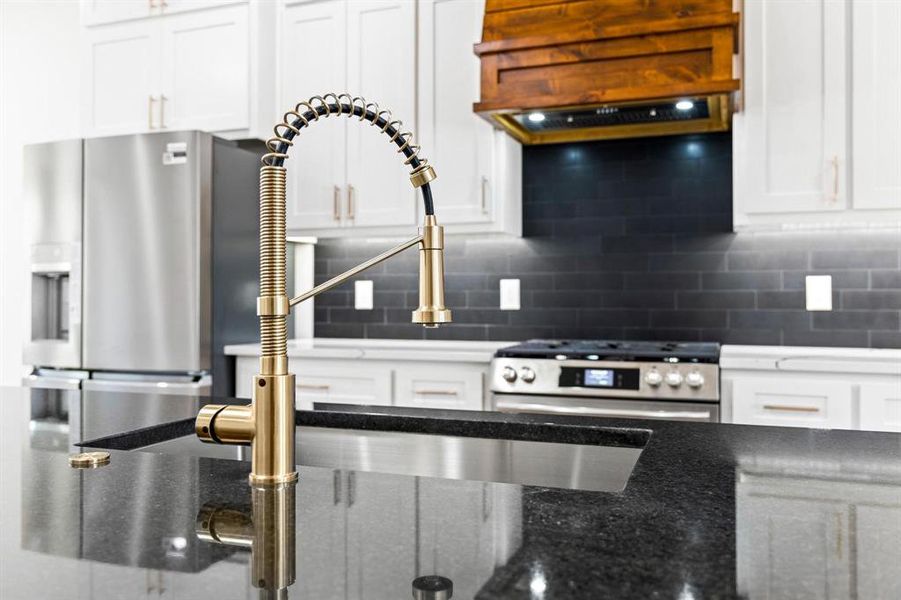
(767, 400)
(321, 530)
(440, 386)
(816, 538)
(340, 384)
(880, 406)
(418, 384)
(381, 535)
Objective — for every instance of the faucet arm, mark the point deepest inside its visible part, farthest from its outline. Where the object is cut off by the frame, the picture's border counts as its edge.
(339, 279)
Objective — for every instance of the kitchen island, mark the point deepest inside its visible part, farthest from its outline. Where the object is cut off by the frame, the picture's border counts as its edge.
(709, 511)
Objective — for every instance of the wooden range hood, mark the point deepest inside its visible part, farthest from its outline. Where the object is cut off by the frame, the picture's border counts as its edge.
(572, 70)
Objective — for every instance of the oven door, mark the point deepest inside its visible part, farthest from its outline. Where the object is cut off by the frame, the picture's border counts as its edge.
(606, 407)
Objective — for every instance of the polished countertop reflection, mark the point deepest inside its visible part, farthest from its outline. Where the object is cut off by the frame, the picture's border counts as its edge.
(710, 511)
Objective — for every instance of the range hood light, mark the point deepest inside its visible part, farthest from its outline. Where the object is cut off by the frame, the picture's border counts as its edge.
(536, 117)
(685, 105)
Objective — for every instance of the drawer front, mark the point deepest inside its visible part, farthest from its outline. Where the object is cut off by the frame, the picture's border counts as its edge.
(880, 406)
(349, 384)
(792, 402)
(449, 388)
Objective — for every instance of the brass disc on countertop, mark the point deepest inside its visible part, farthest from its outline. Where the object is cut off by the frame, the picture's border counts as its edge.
(88, 460)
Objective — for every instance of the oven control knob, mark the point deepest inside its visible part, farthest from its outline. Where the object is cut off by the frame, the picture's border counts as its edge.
(694, 379)
(509, 374)
(653, 378)
(527, 374)
(674, 378)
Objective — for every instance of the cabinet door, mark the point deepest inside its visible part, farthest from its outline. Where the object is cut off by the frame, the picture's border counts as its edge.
(456, 140)
(175, 6)
(880, 406)
(341, 383)
(121, 66)
(381, 535)
(790, 139)
(791, 547)
(381, 43)
(791, 402)
(95, 12)
(878, 550)
(876, 95)
(206, 70)
(456, 532)
(440, 387)
(320, 547)
(313, 61)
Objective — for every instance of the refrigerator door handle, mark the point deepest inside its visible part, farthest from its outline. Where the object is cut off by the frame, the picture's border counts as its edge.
(200, 387)
(52, 383)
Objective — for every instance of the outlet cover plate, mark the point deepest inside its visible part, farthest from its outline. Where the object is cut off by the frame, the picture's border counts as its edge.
(363, 292)
(510, 294)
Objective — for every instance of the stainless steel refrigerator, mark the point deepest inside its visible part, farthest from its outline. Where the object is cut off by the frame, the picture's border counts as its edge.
(144, 261)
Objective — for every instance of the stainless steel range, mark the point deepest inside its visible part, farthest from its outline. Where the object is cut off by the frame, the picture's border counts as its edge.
(634, 380)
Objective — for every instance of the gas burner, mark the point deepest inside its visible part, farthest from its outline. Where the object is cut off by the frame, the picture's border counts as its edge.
(695, 352)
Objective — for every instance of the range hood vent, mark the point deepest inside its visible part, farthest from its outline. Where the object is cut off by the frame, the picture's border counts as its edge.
(571, 70)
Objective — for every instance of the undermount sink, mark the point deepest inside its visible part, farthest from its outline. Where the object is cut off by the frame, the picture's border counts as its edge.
(587, 466)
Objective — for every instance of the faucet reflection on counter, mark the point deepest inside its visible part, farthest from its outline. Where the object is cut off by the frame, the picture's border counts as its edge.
(267, 528)
(267, 424)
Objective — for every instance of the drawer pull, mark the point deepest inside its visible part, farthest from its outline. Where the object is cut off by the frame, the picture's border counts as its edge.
(310, 386)
(436, 392)
(787, 408)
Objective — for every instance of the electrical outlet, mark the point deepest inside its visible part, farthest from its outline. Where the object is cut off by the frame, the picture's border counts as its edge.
(509, 294)
(819, 292)
(363, 291)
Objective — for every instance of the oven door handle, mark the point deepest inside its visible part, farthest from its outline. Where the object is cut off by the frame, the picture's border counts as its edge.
(584, 411)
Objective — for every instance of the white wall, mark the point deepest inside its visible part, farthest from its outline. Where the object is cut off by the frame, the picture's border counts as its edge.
(39, 101)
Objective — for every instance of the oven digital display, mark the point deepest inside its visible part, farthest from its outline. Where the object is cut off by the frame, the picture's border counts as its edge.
(598, 378)
(616, 378)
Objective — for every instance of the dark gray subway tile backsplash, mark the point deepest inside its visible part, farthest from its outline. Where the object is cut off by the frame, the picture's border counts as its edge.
(633, 239)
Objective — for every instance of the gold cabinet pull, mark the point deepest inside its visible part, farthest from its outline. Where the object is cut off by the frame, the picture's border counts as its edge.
(313, 386)
(163, 111)
(835, 179)
(436, 392)
(788, 408)
(484, 195)
(150, 100)
(336, 203)
(350, 202)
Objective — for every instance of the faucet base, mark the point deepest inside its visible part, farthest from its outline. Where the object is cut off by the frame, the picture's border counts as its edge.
(272, 460)
(271, 480)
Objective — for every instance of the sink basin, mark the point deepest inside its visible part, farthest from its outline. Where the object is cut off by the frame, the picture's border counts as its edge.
(602, 466)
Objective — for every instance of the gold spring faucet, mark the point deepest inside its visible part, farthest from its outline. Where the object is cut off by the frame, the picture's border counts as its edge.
(267, 423)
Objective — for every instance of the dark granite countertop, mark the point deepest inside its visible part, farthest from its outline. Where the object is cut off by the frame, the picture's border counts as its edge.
(710, 511)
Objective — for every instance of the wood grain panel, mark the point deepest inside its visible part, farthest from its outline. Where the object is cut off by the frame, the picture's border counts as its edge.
(557, 53)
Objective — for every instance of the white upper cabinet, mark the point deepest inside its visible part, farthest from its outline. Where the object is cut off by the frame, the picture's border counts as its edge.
(478, 187)
(347, 178)
(814, 141)
(94, 12)
(875, 104)
(206, 69)
(458, 141)
(318, 160)
(381, 59)
(98, 12)
(121, 88)
(790, 139)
